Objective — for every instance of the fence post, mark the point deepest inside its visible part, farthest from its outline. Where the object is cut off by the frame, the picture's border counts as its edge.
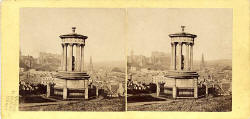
(65, 90)
(157, 89)
(97, 95)
(174, 91)
(206, 90)
(48, 89)
(86, 89)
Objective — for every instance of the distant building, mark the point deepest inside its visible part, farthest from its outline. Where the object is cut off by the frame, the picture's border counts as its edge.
(48, 61)
(133, 68)
(21, 69)
(27, 62)
(45, 62)
(157, 61)
(145, 70)
(32, 70)
(46, 58)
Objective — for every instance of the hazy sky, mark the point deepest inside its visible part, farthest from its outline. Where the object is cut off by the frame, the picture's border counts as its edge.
(149, 29)
(40, 29)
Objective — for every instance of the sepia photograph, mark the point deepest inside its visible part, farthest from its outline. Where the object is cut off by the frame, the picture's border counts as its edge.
(179, 60)
(72, 59)
(75, 59)
(119, 59)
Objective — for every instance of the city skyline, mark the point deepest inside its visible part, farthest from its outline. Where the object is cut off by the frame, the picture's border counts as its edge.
(148, 30)
(104, 28)
(169, 54)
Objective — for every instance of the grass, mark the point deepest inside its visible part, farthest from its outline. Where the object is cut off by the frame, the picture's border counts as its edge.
(100, 104)
(210, 104)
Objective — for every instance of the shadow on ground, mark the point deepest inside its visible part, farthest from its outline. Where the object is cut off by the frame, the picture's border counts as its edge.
(34, 99)
(143, 98)
(97, 104)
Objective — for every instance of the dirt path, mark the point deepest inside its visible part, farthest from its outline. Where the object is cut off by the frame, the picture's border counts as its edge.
(149, 103)
(44, 104)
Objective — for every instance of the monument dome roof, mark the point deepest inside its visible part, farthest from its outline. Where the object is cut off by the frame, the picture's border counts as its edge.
(73, 35)
(183, 34)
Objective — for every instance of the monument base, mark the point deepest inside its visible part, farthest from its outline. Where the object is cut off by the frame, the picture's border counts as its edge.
(180, 84)
(71, 85)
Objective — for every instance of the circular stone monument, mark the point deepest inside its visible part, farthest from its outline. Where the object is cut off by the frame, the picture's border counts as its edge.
(72, 80)
(181, 80)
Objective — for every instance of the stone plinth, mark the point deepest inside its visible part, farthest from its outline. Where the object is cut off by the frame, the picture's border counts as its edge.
(72, 84)
(183, 83)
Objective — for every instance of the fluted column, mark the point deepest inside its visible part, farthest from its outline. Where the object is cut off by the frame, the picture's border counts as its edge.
(65, 57)
(82, 58)
(191, 56)
(187, 57)
(78, 58)
(179, 55)
(173, 56)
(70, 57)
(62, 57)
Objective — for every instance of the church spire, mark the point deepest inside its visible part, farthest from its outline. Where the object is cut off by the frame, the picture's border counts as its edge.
(202, 65)
(90, 65)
